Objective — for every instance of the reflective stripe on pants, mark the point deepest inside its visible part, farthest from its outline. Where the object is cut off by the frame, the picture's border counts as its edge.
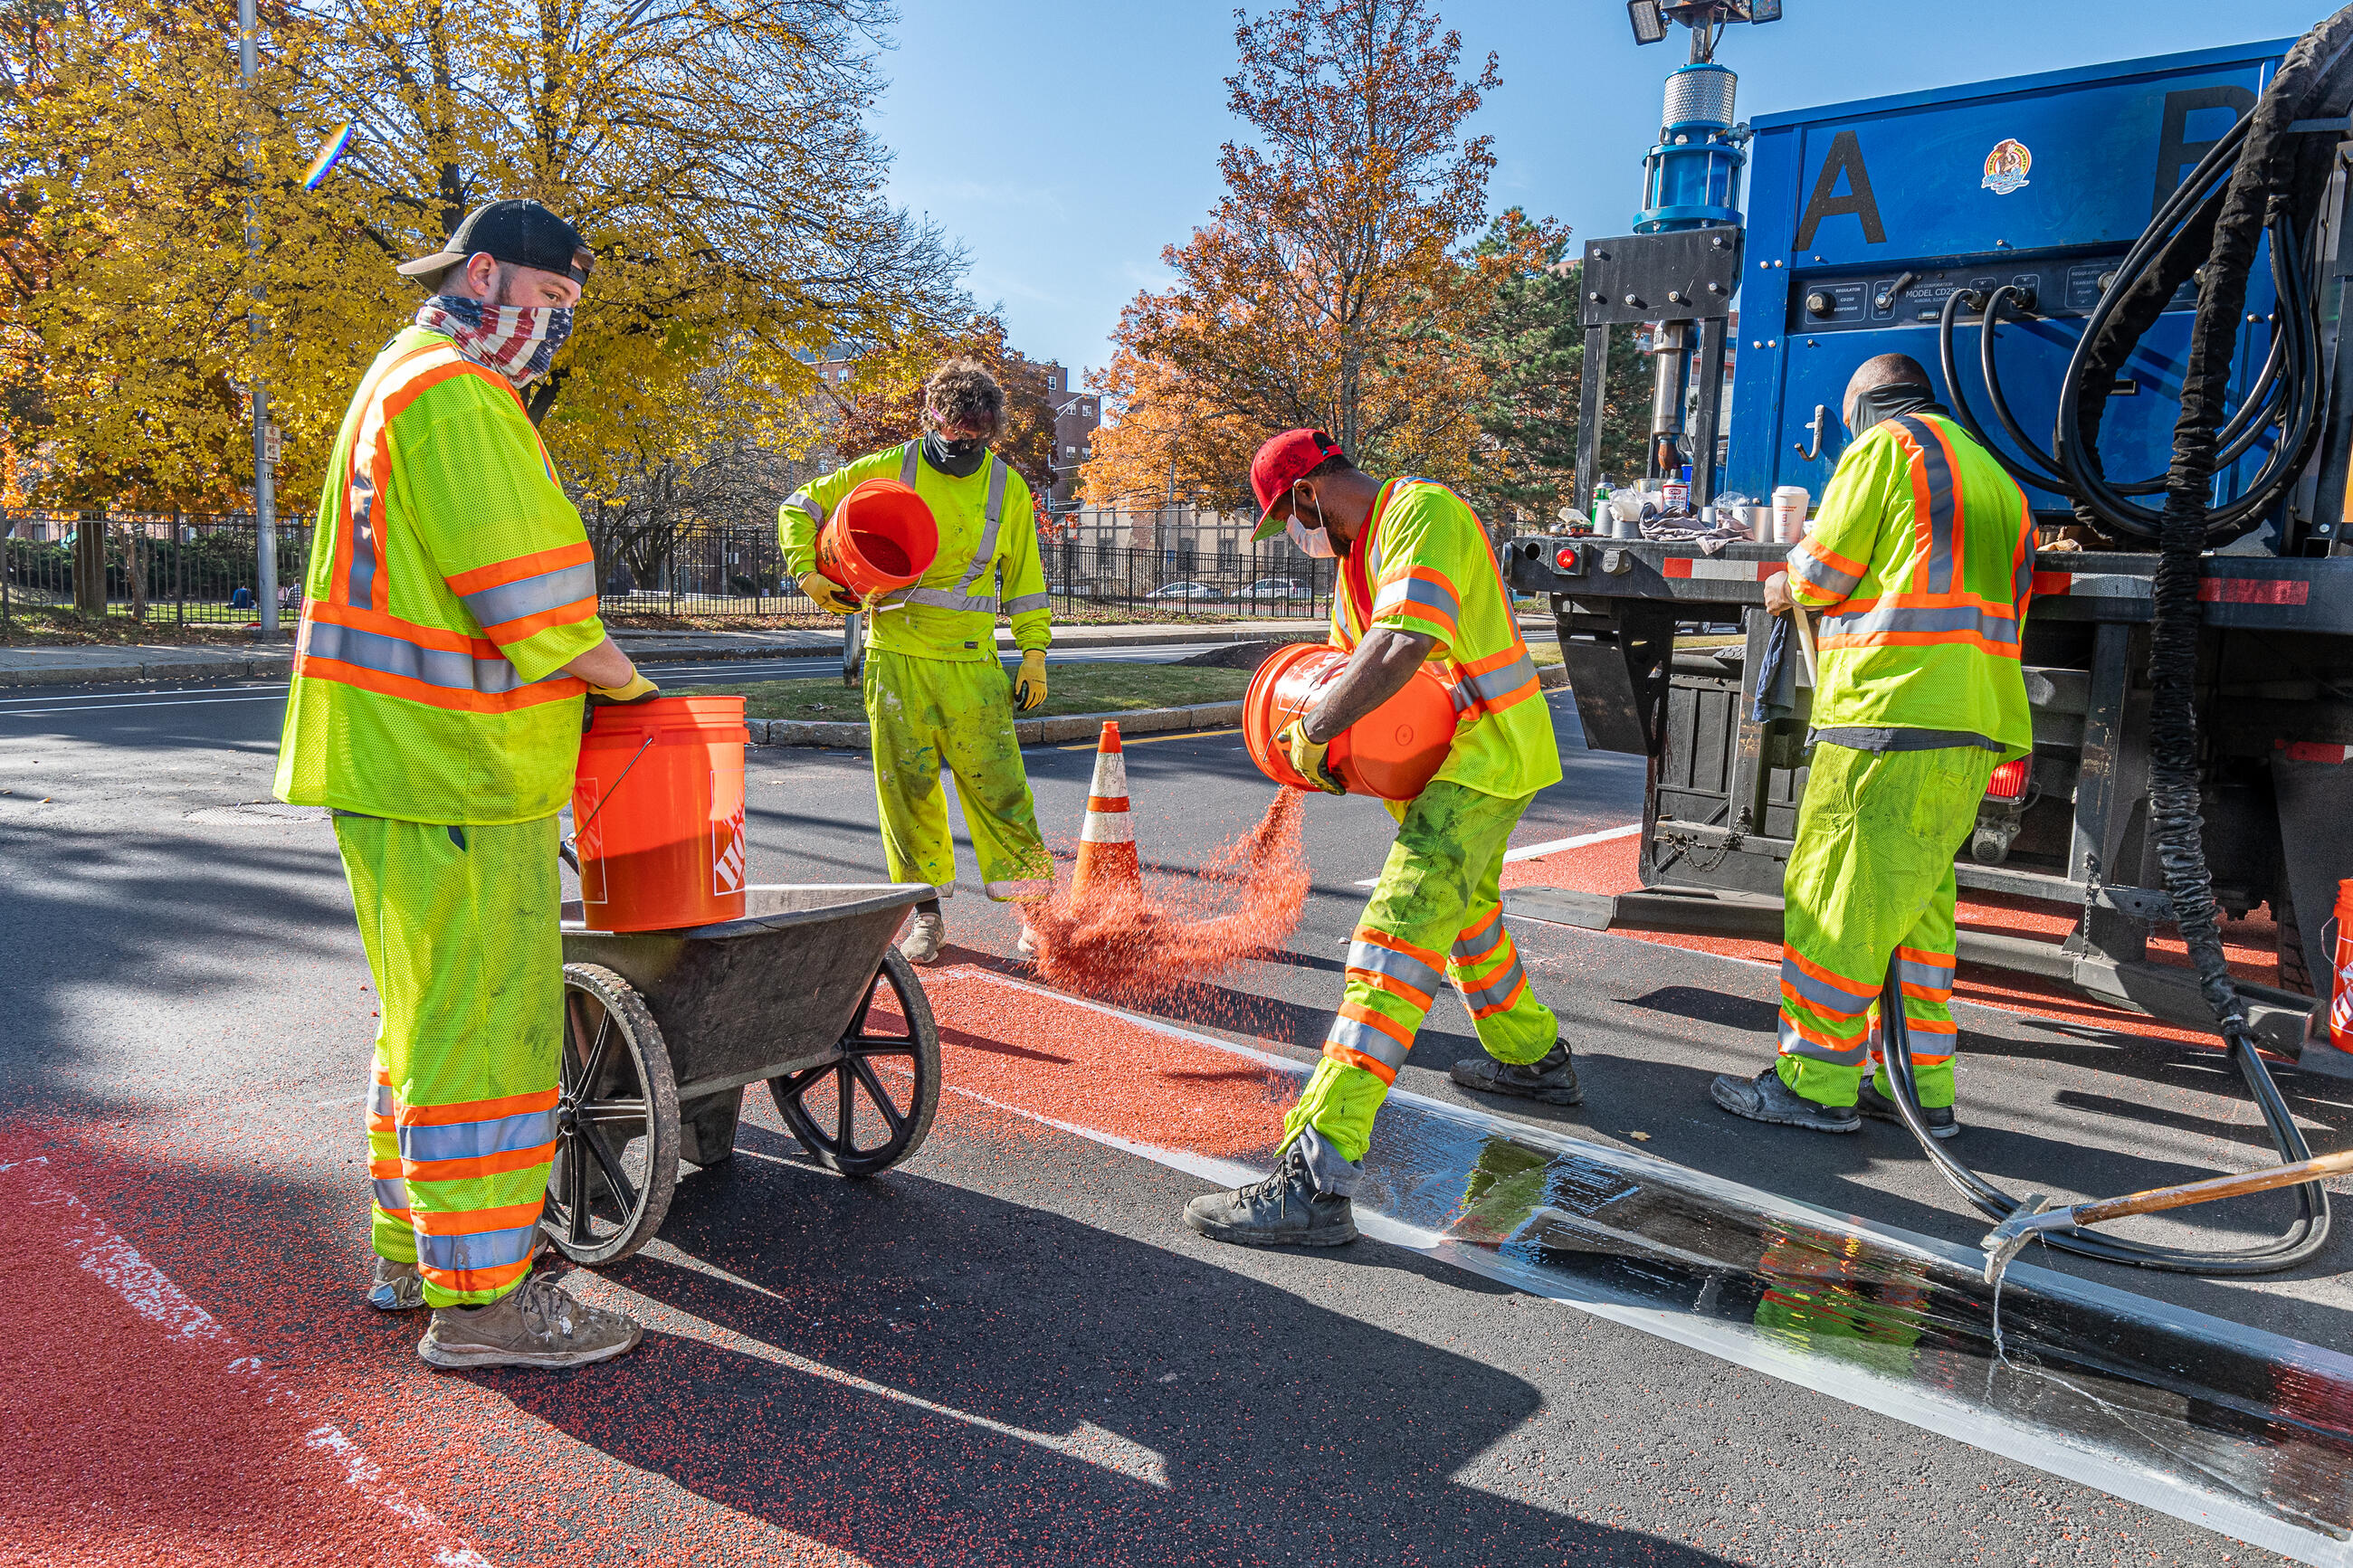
(1438, 909)
(930, 714)
(461, 940)
(1869, 883)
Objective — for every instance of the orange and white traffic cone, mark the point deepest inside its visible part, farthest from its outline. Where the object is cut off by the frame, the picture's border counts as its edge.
(1107, 860)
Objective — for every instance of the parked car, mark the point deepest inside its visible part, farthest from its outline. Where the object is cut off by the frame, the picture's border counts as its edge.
(1185, 591)
(1276, 588)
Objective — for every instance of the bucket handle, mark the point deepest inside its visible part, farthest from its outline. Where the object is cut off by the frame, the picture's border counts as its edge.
(579, 828)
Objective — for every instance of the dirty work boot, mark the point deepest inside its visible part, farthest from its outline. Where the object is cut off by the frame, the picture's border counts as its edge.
(536, 1325)
(1766, 1098)
(922, 943)
(396, 1286)
(1028, 946)
(1551, 1081)
(1284, 1210)
(1882, 1108)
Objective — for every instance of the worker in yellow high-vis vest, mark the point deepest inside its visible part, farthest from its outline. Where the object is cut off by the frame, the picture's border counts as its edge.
(449, 633)
(1418, 585)
(1920, 562)
(937, 695)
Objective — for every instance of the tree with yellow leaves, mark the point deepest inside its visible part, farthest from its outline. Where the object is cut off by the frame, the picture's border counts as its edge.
(1328, 287)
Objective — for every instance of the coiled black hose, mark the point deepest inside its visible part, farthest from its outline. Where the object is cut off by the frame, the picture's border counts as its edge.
(2257, 202)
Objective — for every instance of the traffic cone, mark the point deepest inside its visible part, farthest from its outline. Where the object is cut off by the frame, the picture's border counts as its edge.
(1107, 843)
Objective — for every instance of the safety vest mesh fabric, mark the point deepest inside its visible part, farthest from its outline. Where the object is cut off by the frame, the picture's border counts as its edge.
(1923, 559)
(986, 534)
(1422, 564)
(449, 582)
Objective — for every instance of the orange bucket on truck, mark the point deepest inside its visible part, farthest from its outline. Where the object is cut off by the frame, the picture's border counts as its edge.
(881, 537)
(1392, 753)
(657, 813)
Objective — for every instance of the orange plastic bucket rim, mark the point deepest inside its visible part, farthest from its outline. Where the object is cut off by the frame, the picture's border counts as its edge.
(881, 537)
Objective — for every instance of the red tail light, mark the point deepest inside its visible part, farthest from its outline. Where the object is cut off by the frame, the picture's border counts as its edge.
(2008, 785)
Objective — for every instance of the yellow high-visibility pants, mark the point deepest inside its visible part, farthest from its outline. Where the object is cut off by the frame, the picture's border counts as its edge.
(1436, 914)
(460, 924)
(925, 715)
(1869, 883)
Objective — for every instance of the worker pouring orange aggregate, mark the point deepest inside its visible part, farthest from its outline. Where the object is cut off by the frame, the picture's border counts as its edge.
(449, 633)
(1418, 585)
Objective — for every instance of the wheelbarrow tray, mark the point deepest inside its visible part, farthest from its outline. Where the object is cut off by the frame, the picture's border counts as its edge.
(752, 998)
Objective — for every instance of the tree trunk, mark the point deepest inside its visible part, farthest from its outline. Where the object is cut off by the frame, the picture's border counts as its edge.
(134, 570)
(90, 564)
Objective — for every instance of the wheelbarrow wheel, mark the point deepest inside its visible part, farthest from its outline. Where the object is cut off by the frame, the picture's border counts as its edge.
(616, 1122)
(869, 1109)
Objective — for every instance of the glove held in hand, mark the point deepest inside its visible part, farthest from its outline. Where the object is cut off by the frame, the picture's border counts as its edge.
(1030, 681)
(828, 594)
(1308, 757)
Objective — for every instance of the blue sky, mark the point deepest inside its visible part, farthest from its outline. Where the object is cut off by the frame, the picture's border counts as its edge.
(1066, 144)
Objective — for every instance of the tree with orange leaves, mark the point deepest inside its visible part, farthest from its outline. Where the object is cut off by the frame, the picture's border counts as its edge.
(1329, 287)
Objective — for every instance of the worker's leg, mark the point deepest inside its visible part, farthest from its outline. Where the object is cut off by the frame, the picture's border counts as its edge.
(1485, 964)
(982, 751)
(1446, 853)
(1924, 967)
(461, 930)
(1875, 839)
(907, 721)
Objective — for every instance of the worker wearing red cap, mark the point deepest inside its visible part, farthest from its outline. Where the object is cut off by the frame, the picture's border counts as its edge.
(1418, 585)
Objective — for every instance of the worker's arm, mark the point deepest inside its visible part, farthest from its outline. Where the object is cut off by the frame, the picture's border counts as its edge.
(1828, 564)
(1383, 661)
(605, 666)
(1026, 600)
(805, 511)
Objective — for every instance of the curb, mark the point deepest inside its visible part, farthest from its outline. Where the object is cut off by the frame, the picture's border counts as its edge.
(160, 670)
(1060, 729)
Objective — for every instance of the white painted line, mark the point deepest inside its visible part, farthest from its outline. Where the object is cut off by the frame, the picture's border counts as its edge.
(150, 702)
(1928, 1409)
(187, 691)
(1551, 847)
(147, 1292)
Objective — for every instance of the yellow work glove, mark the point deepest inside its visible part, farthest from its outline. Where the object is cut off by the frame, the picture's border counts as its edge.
(828, 594)
(1029, 680)
(638, 688)
(1307, 756)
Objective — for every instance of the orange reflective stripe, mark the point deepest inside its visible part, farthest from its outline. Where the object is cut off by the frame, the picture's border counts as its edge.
(474, 1279)
(1402, 990)
(388, 626)
(526, 626)
(1348, 1058)
(1395, 944)
(1796, 1024)
(1861, 989)
(472, 1165)
(430, 696)
(473, 1222)
(1382, 1022)
(466, 1110)
(1507, 1004)
(517, 568)
(1920, 639)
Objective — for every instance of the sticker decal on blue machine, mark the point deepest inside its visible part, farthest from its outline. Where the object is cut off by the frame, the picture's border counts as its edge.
(2006, 166)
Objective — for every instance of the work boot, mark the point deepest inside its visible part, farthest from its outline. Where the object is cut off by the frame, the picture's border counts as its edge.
(538, 1323)
(1028, 946)
(1766, 1098)
(1284, 1210)
(396, 1286)
(1879, 1108)
(922, 943)
(1551, 1081)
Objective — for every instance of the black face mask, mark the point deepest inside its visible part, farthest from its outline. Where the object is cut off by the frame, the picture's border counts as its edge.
(1888, 401)
(956, 459)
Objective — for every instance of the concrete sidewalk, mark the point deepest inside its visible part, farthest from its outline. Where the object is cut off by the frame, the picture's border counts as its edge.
(229, 661)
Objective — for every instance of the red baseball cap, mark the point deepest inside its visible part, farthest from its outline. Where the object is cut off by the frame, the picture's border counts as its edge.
(1283, 462)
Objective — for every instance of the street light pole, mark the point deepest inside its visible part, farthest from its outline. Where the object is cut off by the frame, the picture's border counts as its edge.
(265, 487)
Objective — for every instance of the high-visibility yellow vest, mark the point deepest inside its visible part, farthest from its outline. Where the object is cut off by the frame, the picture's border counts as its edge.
(449, 582)
(1422, 564)
(1922, 557)
(987, 529)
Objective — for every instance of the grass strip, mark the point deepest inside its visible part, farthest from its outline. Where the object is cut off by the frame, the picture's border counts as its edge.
(1107, 686)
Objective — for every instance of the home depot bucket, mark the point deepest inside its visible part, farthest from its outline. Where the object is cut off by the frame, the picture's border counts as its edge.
(1391, 753)
(657, 813)
(880, 537)
(2340, 973)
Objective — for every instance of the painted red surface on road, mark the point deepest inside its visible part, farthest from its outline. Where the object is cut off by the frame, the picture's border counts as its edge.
(1610, 868)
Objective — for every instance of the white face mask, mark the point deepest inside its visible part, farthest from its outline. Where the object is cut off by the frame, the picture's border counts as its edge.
(1314, 542)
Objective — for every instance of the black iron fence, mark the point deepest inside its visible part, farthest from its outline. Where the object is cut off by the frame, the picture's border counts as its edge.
(182, 569)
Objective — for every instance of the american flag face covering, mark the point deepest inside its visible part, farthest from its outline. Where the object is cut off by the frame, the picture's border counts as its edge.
(516, 341)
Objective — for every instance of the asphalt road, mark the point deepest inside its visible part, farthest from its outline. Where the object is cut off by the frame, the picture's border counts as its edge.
(1007, 1351)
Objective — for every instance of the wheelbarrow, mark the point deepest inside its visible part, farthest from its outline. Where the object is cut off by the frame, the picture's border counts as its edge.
(664, 1030)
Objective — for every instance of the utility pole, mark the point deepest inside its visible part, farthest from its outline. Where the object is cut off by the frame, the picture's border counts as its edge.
(265, 487)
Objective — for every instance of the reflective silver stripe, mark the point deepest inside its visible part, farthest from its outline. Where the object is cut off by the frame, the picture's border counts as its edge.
(1419, 590)
(1498, 989)
(390, 656)
(1397, 966)
(1820, 993)
(360, 498)
(1794, 1044)
(907, 463)
(483, 1249)
(380, 1100)
(531, 595)
(432, 1143)
(1502, 682)
(1886, 617)
(360, 584)
(392, 1194)
(1936, 977)
(1804, 563)
(807, 504)
(1022, 603)
(1366, 1040)
(961, 596)
(942, 598)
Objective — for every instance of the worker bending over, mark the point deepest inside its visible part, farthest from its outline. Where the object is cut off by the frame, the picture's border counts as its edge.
(449, 635)
(935, 692)
(1921, 560)
(1418, 585)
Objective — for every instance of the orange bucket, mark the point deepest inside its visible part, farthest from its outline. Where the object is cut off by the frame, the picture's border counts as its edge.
(1392, 753)
(2340, 977)
(657, 813)
(880, 538)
